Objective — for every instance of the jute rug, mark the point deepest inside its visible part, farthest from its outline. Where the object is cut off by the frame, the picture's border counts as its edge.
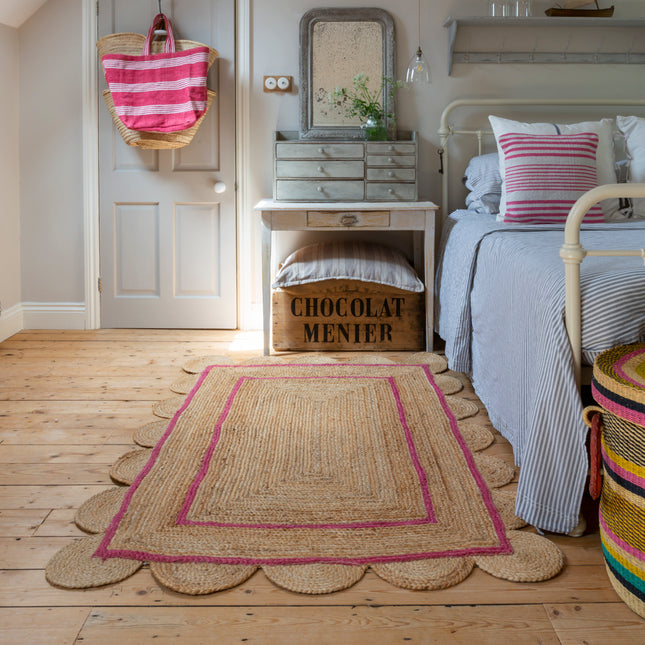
(314, 471)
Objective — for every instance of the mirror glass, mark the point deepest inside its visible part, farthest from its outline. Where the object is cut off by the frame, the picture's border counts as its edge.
(335, 46)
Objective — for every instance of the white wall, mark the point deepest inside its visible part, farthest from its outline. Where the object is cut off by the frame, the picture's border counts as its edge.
(9, 194)
(51, 182)
(51, 209)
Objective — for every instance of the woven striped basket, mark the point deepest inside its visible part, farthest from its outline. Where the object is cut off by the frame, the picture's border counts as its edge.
(618, 385)
(132, 44)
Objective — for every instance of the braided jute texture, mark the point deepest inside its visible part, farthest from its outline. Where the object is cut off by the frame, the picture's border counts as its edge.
(314, 471)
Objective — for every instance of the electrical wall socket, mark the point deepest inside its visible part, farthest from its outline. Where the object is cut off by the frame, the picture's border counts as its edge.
(278, 83)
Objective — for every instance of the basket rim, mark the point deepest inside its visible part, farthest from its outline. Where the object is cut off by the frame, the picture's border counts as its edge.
(181, 44)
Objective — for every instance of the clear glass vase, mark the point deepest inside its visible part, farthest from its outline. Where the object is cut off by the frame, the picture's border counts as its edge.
(375, 129)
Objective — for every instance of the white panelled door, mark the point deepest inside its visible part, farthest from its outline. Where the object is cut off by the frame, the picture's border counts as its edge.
(167, 238)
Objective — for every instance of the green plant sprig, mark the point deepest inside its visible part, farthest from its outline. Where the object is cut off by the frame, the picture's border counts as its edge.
(360, 102)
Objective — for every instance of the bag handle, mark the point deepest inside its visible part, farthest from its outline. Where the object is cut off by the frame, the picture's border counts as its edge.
(169, 45)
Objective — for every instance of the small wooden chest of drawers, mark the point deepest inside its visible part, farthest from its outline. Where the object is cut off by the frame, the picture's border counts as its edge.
(330, 170)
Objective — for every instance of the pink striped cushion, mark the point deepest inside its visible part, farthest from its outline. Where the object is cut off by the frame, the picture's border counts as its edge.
(545, 175)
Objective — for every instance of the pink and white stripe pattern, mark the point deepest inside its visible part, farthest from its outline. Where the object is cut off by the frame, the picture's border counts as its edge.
(545, 175)
(159, 92)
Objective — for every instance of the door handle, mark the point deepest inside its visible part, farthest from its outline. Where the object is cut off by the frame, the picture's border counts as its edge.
(219, 187)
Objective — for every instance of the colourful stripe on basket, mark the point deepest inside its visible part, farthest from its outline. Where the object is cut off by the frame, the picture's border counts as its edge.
(621, 482)
(632, 564)
(623, 519)
(625, 569)
(624, 408)
(545, 175)
(624, 438)
(627, 579)
(627, 550)
(155, 61)
(143, 110)
(159, 86)
(639, 368)
(624, 470)
(628, 598)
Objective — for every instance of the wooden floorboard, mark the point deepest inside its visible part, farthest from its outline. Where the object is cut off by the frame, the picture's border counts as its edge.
(69, 403)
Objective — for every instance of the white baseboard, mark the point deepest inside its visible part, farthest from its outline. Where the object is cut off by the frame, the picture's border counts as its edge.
(11, 322)
(53, 315)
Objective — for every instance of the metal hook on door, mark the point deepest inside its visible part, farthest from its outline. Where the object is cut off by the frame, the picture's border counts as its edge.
(160, 32)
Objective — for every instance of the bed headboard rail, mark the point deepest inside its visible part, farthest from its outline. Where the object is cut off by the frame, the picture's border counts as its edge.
(447, 131)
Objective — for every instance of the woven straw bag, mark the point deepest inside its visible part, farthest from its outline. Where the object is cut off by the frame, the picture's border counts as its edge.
(132, 44)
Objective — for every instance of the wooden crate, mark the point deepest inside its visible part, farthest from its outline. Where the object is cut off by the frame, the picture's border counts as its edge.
(347, 315)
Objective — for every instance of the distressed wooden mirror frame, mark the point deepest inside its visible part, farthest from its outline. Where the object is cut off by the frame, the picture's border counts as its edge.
(311, 125)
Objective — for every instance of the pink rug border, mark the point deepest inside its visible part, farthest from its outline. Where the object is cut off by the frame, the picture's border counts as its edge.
(504, 546)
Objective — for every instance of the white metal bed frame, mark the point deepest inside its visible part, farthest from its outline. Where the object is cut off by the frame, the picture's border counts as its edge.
(572, 251)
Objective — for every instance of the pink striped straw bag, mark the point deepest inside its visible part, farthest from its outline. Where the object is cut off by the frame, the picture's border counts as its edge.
(161, 92)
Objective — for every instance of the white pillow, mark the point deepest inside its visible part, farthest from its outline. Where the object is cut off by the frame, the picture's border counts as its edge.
(348, 260)
(633, 128)
(605, 157)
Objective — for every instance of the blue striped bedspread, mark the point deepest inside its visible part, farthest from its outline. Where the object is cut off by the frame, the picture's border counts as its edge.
(500, 309)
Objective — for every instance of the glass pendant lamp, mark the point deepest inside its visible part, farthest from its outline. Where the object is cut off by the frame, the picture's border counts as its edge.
(418, 72)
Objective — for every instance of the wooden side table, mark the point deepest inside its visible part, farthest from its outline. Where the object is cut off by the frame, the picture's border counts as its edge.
(350, 217)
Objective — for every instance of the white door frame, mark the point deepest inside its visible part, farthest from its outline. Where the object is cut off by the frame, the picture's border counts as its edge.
(91, 164)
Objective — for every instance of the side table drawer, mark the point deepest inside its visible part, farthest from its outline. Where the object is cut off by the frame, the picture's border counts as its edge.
(319, 169)
(355, 219)
(313, 190)
(391, 191)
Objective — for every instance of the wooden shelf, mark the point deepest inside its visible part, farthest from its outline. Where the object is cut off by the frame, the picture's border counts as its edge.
(532, 56)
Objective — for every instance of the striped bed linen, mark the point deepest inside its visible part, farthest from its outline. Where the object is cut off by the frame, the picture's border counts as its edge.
(500, 309)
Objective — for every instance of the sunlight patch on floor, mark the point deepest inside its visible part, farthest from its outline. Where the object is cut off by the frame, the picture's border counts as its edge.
(247, 341)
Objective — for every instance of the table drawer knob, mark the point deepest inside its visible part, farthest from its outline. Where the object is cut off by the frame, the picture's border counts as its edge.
(348, 220)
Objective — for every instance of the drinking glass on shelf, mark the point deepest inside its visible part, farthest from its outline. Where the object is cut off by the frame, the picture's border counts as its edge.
(498, 8)
(523, 8)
